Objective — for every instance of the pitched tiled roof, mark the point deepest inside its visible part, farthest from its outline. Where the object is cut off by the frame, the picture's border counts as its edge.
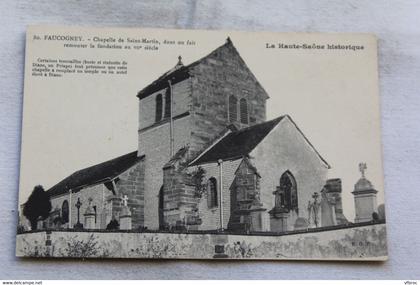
(176, 74)
(95, 174)
(239, 143)
(181, 72)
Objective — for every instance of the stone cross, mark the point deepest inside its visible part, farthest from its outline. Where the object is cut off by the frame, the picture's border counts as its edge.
(362, 168)
(78, 205)
(125, 200)
(78, 225)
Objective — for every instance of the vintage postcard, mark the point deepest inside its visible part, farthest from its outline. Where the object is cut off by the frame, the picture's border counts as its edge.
(154, 143)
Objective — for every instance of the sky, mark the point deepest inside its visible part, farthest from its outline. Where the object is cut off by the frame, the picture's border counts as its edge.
(77, 121)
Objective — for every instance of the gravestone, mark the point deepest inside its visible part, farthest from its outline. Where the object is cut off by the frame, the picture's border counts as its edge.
(364, 198)
(381, 212)
(279, 214)
(125, 216)
(301, 224)
(40, 224)
(103, 217)
(278, 220)
(331, 204)
(90, 216)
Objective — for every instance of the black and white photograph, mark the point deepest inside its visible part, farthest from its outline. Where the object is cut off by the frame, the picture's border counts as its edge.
(182, 144)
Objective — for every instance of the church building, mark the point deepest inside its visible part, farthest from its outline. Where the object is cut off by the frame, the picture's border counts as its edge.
(207, 159)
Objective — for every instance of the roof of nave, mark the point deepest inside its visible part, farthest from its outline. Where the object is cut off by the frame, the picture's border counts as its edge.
(95, 174)
(175, 74)
(240, 143)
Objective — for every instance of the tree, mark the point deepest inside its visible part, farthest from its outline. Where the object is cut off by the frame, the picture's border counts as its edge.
(38, 205)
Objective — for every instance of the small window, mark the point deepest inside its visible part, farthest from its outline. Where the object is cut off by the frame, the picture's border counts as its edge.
(167, 103)
(158, 115)
(233, 109)
(212, 193)
(243, 111)
(65, 212)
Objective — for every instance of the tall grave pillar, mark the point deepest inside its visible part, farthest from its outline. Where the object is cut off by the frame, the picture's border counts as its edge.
(125, 216)
(279, 214)
(90, 216)
(364, 197)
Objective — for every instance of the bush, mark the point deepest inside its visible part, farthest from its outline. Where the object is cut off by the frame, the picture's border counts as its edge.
(113, 225)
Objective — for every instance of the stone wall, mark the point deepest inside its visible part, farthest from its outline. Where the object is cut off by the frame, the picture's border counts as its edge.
(180, 198)
(366, 242)
(156, 145)
(214, 79)
(130, 183)
(211, 216)
(97, 193)
(284, 149)
(181, 97)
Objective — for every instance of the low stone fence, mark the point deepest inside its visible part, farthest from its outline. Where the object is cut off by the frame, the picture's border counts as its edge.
(367, 242)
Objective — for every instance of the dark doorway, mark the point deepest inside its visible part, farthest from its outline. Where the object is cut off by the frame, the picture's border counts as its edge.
(65, 212)
(161, 216)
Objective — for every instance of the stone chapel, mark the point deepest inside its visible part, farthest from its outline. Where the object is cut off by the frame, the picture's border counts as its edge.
(207, 159)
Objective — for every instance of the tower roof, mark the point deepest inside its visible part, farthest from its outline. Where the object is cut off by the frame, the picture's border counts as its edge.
(181, 72)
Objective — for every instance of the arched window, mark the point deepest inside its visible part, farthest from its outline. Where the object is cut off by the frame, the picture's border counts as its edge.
(289, 189)
(243, 105)
(158, 115)
(233, 109)
(212, 193)
(65, 212)
(167, 103)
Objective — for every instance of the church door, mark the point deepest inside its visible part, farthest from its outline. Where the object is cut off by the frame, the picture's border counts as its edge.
(161, 217)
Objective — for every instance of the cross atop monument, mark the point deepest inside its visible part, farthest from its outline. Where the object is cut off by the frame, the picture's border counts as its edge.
(179, 61)
(362, 168)
(125, 200)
